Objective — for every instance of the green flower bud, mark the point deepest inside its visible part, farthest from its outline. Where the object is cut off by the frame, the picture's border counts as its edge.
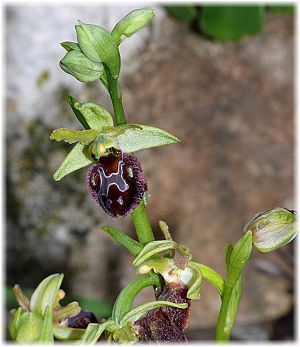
(82, 68)
(131, 23)
(99, 46)
(272, 229)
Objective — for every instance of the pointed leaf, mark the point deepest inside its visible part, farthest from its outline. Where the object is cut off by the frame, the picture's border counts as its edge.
(82, 68)
(152, 248)
(47, 329)
(133, 246)
(141, 310)
(95, 115)
(131, 23)
(77, 159)
(99, 46)
(135, 137)
(70, 46)
(71, 136)
(46, 293)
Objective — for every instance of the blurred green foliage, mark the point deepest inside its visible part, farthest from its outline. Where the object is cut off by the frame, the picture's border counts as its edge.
(226, 23)
(99, 308)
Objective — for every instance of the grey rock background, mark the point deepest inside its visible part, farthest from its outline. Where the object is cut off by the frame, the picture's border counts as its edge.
(230, 104)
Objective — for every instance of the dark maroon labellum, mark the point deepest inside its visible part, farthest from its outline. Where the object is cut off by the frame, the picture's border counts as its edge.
(82, 320)
(165, 324)
(117, 183)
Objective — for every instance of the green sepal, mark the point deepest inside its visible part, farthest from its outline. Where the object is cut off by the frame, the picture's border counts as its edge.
(211, 276)
(46, 293)
(71, 136)
(125, 299)
(135, 137)
(29, 329)
(15, 323)
(70, 46)
(96, 116)
(131, 23)
(79, 66)
(195, 284)
(47, 327)
(99, 46)
(141, 310)
(94, 331)
(77, 159)
(64, 333)
(133, 246)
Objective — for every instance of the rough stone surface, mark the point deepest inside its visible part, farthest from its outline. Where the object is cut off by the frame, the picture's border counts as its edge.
(230, 104)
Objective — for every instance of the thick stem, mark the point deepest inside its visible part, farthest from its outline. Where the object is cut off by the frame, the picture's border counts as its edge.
(116, 98)
(142, 224)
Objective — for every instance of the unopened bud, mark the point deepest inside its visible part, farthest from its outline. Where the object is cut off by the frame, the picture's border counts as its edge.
(272, 229)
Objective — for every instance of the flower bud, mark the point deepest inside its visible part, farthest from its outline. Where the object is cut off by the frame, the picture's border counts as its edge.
(272, 229)
(117, 183)
(82, 68)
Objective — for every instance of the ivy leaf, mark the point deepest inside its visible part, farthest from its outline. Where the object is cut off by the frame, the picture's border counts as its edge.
(99, 46)
(230, 23)
(96, 116)
(75, 160)
(70, 46)
(131, 23)
(134, 137)
(71, 136)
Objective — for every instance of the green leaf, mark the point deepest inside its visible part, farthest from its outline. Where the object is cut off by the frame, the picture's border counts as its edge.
(63, 333)
(47, 327)
(70, 46)
(141, 310)
(135, 137)
(133, 246)
(46, 293)
(77, 159)
(239, 257)
(71, 136)
(211, 276)
(152, 248)
(233, 306)
(131, 23)
(99, 46)
(185, 13)
(96, 116)
(230, 23)
(94, 331)
(82, 68)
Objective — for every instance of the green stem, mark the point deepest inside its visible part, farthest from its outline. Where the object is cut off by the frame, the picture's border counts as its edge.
(142, 224)
(116, 98)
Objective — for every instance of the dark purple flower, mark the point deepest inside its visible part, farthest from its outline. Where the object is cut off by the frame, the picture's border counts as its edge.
(82, 320)
(117, 183)
(165, 324)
